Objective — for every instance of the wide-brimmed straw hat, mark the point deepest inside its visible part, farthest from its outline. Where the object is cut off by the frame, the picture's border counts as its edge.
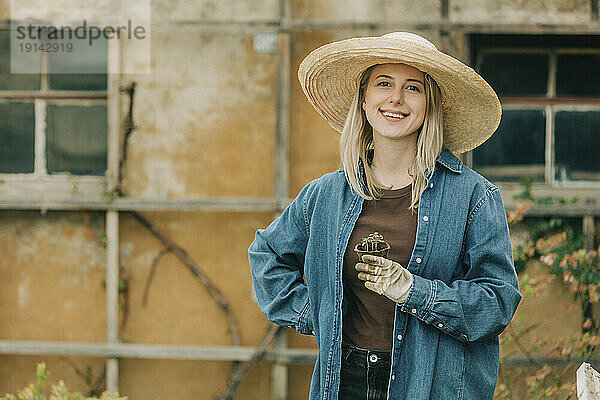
(330, 77)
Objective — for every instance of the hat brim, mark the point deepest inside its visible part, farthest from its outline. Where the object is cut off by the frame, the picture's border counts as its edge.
(330, 75)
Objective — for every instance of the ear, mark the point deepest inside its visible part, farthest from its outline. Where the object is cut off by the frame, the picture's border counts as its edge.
(363, 105)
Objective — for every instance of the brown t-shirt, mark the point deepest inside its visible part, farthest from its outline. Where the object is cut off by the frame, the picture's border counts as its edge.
(369, 320)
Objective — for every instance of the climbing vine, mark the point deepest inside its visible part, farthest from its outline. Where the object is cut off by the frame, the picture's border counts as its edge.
(559, 244)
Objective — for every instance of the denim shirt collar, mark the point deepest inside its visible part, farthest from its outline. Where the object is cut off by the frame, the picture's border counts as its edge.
(445, 158)
(450, 161)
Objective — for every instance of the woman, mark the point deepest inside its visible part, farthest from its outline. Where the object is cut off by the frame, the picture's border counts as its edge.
(423, 322)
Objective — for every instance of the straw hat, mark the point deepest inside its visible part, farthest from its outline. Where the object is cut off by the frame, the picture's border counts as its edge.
(330, 77)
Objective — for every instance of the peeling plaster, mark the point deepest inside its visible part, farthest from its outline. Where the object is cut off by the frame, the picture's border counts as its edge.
(125, 250)
(368, 10)
(133, 260)
(144, 260)
(163, 179)
(521, 11)
(23, 292)
(56, 241)
(189, 114)
(215, 9)
(89, 254)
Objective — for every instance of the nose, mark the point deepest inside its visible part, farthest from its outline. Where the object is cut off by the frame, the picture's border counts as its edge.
(397, 97)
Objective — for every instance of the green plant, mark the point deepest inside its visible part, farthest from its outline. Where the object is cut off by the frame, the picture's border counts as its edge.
(560, 246)
(109, 196)
(103, 240)
(40, 391)
(374, 242)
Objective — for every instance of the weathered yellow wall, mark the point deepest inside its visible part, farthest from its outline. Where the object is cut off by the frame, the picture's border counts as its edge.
(205, 127)
(52, 271)
(367, 10)
(51, 274)
(520, 12)
(205, 118)
(179, 309)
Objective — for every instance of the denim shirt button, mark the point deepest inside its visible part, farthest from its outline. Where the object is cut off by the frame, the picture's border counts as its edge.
(393, 377)
(426, 218)
(373, 358)
(418, 260)
(399, 337)
(440, 325)
(414, 311)
(431, 185)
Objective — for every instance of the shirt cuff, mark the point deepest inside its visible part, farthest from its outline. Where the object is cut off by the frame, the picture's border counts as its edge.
(420, 298)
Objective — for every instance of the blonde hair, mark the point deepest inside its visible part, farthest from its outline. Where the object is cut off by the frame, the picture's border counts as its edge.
(357, 140)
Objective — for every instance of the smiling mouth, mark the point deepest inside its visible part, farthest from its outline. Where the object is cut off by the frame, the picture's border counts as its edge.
(396, 116)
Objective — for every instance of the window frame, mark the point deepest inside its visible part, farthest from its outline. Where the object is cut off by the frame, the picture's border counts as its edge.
(549, 103)
(39, 184)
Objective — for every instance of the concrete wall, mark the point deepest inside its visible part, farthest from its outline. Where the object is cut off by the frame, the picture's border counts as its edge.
(205, 127)
(369, 10)
(520, 11)
(205, 118)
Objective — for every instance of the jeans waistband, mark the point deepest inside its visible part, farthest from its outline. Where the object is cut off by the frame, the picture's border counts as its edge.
(368, 358)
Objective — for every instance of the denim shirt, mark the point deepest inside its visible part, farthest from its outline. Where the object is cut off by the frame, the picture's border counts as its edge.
(465, 289)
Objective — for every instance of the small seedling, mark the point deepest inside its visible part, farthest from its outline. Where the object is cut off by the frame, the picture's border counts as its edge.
(372, 244)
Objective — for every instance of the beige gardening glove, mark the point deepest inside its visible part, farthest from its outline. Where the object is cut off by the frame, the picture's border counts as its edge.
(385, 277)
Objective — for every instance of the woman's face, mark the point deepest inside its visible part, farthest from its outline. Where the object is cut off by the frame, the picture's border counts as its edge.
(394, 100)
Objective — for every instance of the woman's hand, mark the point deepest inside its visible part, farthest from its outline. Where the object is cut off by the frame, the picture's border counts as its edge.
(385, 277)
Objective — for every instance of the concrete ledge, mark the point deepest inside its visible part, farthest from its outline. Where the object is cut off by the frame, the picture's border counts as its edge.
(208, 353)
(150, 351)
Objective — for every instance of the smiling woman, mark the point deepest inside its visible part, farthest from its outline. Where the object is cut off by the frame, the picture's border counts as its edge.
(394, 101)
(423, 322)
(394, 104)
(386, 88)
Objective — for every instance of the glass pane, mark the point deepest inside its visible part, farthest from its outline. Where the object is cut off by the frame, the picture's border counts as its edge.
(576, 143)
(570, 71)
(516, 150)
(77, 81)
(66, 68)
(76, 139)
(516, 74)
(10, 81)
(17, 137)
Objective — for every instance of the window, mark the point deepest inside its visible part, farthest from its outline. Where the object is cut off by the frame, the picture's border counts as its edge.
(550, 94)
(52, 124)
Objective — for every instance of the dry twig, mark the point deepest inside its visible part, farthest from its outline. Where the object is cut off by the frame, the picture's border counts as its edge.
(170, 245)
(193, 267)
(240, 374)
(151, 275)
(129, 127)
(123, 301)
(96, 387)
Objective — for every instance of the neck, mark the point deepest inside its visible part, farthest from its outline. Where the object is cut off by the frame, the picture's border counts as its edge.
(393, 158)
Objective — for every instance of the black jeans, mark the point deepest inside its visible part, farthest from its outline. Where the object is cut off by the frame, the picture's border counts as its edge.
(364, 374)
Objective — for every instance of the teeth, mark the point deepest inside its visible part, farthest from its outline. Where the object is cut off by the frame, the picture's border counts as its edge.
(389, 114)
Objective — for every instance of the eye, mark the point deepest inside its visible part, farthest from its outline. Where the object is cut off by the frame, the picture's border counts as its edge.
(414, 88)
(383, 83)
